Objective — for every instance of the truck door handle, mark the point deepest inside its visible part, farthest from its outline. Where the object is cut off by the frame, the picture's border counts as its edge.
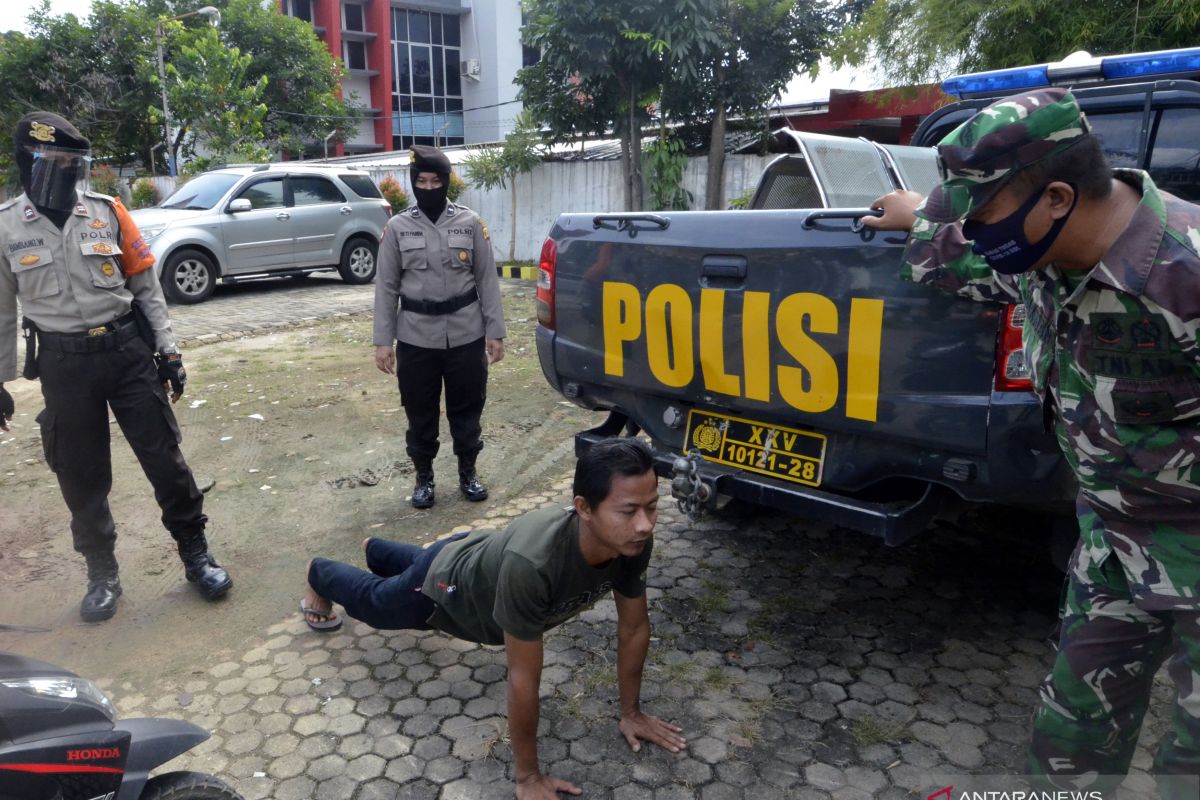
(282, 216)
(628, 222)
(854, 214)
(723, 267)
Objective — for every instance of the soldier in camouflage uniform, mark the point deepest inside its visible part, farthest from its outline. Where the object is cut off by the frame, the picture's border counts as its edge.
(1106, 266)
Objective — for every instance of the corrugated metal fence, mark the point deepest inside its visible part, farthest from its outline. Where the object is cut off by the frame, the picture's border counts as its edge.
(555, 187)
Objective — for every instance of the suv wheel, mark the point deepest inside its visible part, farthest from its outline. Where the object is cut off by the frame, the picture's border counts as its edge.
(189, 277)
(358, 260)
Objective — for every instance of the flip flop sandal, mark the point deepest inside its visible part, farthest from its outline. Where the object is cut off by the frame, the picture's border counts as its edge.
(332, 621)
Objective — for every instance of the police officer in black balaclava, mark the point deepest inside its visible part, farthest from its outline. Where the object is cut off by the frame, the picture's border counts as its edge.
(437, 302)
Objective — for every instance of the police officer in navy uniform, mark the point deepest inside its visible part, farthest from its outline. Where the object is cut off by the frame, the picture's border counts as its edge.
(76, 262)
(437, 301)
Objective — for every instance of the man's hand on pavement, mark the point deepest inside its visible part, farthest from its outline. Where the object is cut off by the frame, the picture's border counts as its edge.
(544, 787)
(495, 350)
(898, 211)
(7, 408)
(639, 727)
(385, 359)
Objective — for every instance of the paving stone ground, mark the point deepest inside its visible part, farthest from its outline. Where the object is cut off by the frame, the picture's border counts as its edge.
(802, 661)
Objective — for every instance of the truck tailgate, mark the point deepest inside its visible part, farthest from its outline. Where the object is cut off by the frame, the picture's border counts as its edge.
(789, 326)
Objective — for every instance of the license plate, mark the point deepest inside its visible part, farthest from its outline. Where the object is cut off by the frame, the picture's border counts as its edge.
(774, 450)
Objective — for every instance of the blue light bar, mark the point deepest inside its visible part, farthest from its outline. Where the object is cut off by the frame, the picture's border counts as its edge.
(1162, 62)
(1000, 81)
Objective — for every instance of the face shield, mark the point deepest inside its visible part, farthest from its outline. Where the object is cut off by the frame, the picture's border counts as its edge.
(55, 175)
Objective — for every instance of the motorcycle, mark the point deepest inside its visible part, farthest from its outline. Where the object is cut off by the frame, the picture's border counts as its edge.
(60, 739)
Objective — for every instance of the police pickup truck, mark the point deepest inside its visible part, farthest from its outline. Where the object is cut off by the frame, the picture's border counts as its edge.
(774, 355)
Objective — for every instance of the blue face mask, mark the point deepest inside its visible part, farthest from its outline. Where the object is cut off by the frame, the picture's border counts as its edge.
(1003, 244)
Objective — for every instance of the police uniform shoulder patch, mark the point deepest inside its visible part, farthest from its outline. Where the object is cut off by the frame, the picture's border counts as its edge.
(29, 213)
(483, 228)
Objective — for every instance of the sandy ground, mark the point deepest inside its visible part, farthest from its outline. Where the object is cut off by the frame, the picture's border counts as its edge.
(304, 438)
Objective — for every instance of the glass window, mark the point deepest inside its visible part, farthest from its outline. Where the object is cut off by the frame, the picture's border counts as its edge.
(1173, 162)
(356, 55)
(1120, 134)
(453, 75)
(353, 17)
(361, 185)
(403, 70)
(202, 191)
(439, 79)
(418, 26)
(264, 194)
(421, 71)
(309, 190)
(450, 23)
(399, 25)
(301, 9)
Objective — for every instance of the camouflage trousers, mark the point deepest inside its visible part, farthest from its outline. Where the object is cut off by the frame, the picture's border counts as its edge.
(1097, 693)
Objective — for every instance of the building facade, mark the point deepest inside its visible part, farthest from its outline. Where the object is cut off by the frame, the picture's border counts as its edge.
(434, 72)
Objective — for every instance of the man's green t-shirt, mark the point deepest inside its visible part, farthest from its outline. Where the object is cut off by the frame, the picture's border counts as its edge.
(525, 579)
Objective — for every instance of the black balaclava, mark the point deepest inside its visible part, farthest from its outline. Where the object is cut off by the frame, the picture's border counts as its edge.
(44, 130)
(423, 158)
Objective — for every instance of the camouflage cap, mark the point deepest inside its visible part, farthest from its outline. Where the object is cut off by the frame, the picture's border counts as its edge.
(979, 157)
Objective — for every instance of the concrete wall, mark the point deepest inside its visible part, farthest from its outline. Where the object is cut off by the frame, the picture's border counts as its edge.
(556, 187)
(491, 33)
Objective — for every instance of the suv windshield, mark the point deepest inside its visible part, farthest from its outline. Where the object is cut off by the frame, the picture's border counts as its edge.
(202, 192)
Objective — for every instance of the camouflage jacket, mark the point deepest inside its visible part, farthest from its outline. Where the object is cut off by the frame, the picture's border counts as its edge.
(1118, 356)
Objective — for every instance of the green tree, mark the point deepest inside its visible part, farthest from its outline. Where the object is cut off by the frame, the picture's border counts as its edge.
(212, 98)
(101, 72)
(617, 52)
(302, 95)
(915, 41)
(760, 45)
(498, 167)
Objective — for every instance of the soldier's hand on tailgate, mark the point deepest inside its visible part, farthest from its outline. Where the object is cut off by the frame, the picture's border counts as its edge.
(898, 208)
(7, 408)
(495, 350)
(385, 359)
(172, 374)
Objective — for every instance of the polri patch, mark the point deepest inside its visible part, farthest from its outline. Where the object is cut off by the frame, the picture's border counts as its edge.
(102, 248)
(97, 224)
(108, 269)
(29, 260)
(29, 212)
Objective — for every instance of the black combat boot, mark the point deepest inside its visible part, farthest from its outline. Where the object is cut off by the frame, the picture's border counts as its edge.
(468, 481)
(200, 567)
(104, 587)
(422, 496)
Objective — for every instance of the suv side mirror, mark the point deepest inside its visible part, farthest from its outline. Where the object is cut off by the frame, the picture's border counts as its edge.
(241, 204)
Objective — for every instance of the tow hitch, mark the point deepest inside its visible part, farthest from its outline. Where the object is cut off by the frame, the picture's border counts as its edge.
(692, 493)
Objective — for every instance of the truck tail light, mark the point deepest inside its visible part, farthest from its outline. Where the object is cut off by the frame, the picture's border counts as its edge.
(545, 284)
(1012, 373)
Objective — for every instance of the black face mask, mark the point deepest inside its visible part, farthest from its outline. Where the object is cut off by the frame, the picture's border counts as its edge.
(432, 202)
(1003, 244)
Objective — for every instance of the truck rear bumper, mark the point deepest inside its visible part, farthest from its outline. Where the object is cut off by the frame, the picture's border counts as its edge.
(894, 522)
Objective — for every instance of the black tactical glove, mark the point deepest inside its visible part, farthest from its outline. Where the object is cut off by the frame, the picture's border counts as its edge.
(7, 407)
(171, 371)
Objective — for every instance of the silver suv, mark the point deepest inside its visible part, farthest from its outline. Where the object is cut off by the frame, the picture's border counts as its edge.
(247, 222)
